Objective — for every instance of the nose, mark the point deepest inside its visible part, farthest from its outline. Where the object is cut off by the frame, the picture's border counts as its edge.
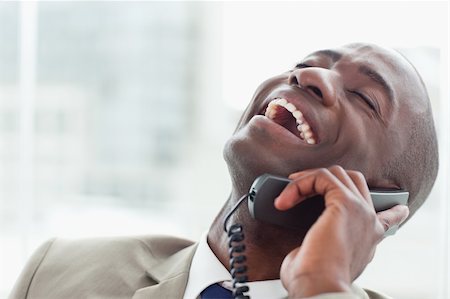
(325, 84)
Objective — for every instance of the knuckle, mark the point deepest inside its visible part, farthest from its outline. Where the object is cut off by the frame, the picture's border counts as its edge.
(361, 176)
(360, 208)
(379, 231)
(350, 197)
(324, 172)
(373, 217)
(357, 174)
(386, 223)
(337, 169)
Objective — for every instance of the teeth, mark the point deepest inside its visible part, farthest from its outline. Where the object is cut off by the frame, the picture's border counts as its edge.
(302, 126)
(311, 141)
(297, 114)
(291, 108)
(271, 104)
(305, 128)
(281, 102)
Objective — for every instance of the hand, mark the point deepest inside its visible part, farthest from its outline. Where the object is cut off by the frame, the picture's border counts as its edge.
(342, 241)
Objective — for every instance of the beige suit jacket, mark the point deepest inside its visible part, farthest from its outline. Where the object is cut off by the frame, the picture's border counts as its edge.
(130, 267)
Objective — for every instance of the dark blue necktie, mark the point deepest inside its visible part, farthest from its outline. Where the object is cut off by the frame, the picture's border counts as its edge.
(216, 291)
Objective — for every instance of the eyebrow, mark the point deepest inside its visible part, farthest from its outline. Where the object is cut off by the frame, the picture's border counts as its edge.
(378, 79)
(335, 56)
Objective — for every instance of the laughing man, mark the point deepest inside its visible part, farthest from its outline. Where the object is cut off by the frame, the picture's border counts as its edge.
(340, 122)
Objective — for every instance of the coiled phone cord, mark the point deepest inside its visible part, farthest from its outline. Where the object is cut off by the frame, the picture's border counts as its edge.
(236, 246)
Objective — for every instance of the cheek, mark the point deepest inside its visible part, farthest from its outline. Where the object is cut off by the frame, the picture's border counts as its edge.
(359, 146)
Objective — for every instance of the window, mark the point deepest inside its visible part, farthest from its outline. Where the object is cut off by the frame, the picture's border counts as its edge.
(113, 116)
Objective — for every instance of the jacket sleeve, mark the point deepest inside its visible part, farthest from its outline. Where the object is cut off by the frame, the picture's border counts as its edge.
(357, 293)
(337, 296)
(22, 285)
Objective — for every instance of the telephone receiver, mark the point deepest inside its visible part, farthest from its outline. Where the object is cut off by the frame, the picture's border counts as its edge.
(267, 187)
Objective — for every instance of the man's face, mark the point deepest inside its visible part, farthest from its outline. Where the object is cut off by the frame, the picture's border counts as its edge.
(348, 106)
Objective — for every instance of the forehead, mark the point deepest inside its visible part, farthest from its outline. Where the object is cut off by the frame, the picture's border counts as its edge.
(391, 66)
(374, 56)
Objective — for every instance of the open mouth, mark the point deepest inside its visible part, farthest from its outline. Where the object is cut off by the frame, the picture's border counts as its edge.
(287, 115)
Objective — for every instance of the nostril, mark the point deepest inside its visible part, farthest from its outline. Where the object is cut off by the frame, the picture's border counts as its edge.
(293, 80)
(315, 90)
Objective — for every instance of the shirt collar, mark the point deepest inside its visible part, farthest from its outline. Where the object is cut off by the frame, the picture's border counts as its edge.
(206, 269)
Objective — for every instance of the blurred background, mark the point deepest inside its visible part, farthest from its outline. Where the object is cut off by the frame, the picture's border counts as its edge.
(113, 116)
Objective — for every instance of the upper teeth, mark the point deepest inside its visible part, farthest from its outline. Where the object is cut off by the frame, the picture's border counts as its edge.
(302, 126)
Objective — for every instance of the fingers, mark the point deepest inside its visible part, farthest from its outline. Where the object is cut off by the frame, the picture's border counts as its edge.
(354, 180)
(337, 184)
(392, 218)
(360, 182)
(322, 181)
(311, 182)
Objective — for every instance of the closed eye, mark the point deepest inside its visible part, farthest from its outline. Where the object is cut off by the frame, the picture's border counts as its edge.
(366, 99)
(302, 65)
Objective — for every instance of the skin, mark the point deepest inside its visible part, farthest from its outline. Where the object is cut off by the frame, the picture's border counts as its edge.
(342, 242)
(358, 125)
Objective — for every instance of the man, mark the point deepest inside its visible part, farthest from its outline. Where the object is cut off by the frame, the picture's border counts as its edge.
(360, 106)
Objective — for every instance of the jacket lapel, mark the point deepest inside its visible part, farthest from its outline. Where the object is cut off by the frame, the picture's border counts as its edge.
(170, 276)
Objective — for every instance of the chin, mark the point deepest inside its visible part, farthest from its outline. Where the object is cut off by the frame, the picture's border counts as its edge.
(245, 163)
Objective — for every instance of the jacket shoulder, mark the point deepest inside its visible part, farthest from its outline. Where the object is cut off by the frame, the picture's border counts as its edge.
(20, 289)
(163, 246)
(90, 265)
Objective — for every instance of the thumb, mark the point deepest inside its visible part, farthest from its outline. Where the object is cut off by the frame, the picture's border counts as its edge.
(392, 218)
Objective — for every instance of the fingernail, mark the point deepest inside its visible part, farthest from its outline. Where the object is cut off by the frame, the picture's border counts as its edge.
(276, 202)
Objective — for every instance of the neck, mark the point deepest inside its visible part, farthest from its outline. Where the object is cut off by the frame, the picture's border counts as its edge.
(266, 245)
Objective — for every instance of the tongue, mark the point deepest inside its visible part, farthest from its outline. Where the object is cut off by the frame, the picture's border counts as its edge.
(284, 118)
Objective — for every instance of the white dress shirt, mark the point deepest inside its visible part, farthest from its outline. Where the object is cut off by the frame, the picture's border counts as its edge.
(206, 270)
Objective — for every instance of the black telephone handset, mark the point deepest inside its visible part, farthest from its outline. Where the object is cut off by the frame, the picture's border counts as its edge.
(261, 198)
(267, 187)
